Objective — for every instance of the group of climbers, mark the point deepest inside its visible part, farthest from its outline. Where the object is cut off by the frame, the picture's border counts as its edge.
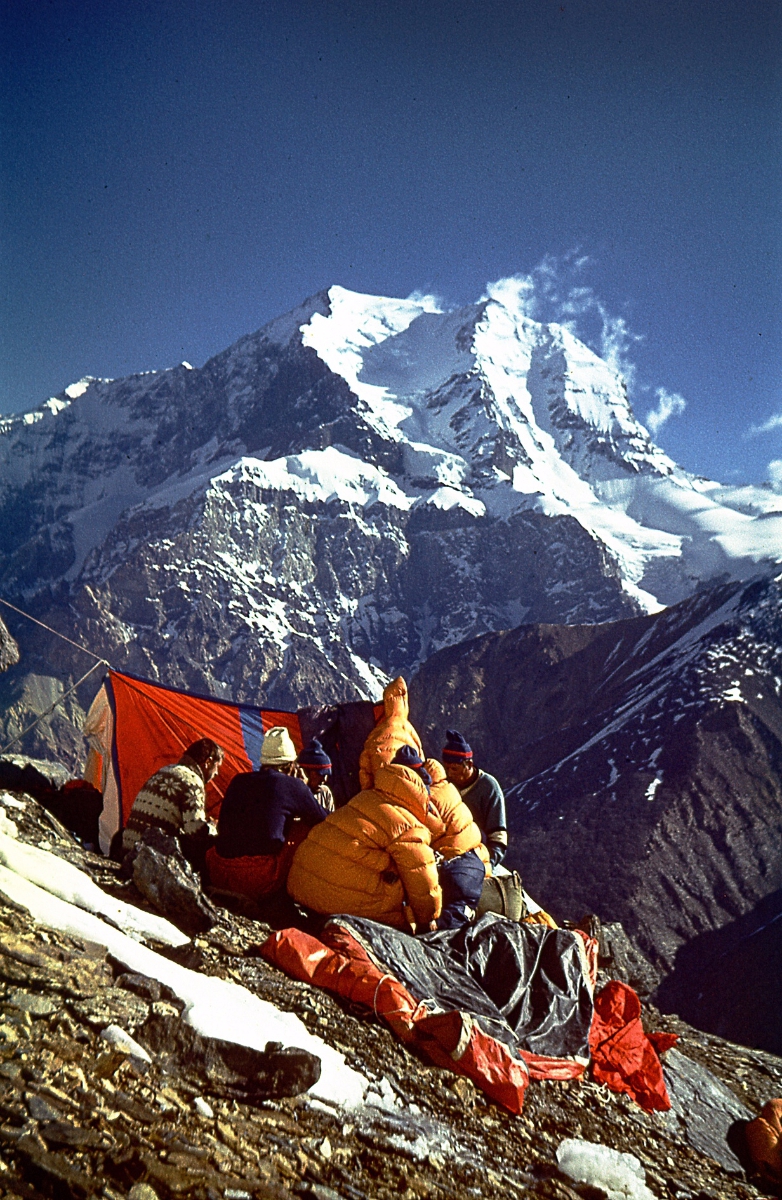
(405, 851)
(412, 849)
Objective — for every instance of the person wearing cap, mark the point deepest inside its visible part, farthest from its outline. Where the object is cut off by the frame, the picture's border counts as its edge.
(480, 792)
(263, 817)
(463, 859)
(316, 764)
(373, 857)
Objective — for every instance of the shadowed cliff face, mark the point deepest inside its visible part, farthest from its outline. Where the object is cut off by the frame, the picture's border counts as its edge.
(642, 762)
(729, 980)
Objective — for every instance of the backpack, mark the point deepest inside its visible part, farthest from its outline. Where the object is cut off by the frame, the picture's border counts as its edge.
(503, 894)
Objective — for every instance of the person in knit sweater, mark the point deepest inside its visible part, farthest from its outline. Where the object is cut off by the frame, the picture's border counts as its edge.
(173, 800)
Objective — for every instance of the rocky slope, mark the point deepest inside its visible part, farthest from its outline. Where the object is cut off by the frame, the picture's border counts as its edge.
(9, 651)
(363, 481)
(643, 766)
(81, 1117)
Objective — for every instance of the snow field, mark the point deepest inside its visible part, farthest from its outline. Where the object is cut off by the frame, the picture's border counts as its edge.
(60, 896)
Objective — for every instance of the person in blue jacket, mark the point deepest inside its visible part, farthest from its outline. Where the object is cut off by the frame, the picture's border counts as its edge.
(263, 817)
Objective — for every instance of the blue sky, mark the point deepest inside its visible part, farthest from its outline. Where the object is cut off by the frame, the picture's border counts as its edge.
(175, 174)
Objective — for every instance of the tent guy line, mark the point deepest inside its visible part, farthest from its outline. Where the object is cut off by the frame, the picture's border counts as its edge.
(56, 633)
(100, 663)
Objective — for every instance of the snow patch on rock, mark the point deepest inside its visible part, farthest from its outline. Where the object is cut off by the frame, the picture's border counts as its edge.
(214, 1007)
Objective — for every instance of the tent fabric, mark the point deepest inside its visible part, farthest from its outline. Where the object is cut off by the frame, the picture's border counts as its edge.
(99, 769)
(134, 727)
(497, 1001)
(342, 729)
(525, 985)
(663, 1041)
(623, 1057)
(500, 1002)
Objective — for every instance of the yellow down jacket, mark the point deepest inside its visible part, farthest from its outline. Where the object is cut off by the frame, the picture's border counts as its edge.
(373, 856)
(449, 820)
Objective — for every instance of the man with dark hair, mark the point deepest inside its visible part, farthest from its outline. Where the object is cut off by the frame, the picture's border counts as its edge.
(174, 798)
(316, 765)
(480, 792)
(263, 817)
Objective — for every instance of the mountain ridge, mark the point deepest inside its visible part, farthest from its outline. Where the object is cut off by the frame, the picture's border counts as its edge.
(643, 768)
(342, 493)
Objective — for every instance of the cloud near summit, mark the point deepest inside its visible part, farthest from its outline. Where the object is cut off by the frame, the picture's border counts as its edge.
(774, 422)
(669, 404)
(554, 292)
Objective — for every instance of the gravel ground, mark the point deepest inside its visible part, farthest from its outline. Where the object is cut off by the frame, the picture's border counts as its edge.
(78, 1118)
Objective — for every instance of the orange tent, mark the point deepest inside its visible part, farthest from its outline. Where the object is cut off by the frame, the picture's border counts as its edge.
(134, 727)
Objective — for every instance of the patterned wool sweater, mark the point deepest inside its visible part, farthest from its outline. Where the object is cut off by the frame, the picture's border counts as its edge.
(173, 800)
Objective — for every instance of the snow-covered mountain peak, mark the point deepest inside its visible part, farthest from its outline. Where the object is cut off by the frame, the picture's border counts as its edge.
(354, 325)
(356, 321)
(408, 361)
(516, 415)
(478, 432)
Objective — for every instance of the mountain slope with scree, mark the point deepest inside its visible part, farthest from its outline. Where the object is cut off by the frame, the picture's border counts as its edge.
(83, 1114)
(642, 762)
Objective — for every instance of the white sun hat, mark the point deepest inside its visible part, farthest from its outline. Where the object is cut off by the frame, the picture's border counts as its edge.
(277, 748)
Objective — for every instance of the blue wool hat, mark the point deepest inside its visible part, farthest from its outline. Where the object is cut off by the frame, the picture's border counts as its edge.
(406, 756)
(456, 749)
(314, 756)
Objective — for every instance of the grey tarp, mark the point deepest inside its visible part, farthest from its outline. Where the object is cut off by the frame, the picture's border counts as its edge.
(525, 984)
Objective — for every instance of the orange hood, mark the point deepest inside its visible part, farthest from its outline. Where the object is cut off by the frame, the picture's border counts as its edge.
(391, 732)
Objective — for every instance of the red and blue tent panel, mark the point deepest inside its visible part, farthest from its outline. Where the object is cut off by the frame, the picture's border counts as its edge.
(136, 727)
